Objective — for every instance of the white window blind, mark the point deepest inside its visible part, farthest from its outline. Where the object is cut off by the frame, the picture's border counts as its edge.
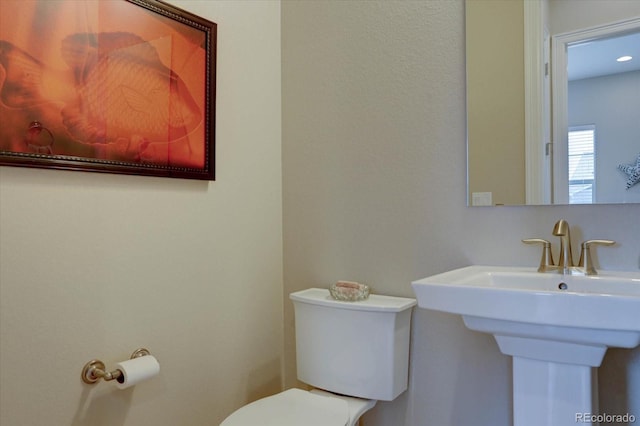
(581, 164)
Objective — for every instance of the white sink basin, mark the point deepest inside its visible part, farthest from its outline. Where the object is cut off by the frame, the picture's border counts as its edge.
(608, 302)
(557, 328)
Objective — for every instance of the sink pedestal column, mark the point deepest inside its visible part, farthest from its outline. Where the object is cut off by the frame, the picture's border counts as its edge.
(552, 394)
(554, 383)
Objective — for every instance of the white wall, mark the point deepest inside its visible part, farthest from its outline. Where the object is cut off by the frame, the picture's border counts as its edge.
(95, 265)
(374, 190)
(611, 103)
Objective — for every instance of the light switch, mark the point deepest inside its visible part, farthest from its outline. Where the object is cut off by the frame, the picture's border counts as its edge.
(481, 199)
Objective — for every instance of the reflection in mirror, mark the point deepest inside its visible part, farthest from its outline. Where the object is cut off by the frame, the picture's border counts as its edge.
(510, 56)
(597, 99)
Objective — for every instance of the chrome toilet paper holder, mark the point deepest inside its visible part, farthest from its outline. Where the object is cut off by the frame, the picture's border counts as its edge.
(95, 369)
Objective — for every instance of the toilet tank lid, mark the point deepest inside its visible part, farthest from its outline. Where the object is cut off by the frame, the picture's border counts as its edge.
(375, 302)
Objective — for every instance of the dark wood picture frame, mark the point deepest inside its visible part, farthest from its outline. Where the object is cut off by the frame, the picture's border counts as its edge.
(126, 86)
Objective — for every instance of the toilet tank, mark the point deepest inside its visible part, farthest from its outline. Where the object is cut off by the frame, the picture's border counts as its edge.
(353, 348)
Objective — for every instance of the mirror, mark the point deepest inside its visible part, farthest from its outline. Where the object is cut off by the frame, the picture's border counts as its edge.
(518, 152)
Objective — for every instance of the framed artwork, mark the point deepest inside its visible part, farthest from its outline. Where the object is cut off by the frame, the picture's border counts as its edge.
(115, 86)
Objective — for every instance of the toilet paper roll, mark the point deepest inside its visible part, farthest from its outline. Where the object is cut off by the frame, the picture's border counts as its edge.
(137, 370)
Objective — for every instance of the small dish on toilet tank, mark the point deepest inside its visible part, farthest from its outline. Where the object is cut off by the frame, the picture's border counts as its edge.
(349, 291)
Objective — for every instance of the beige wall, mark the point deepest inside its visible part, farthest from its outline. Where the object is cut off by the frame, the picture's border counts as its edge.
(495, 99)
(375, 190)
(95, 265)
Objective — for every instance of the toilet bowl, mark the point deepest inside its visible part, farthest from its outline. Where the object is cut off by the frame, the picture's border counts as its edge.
(352, 353)
(301, 408)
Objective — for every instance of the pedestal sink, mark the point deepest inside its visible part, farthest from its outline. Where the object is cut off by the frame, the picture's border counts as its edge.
(556, 327)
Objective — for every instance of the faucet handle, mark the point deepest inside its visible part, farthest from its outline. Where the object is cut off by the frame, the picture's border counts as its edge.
(585, 255)
(546, 261)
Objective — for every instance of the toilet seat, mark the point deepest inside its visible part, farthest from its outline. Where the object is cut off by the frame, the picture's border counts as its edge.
(293, 407)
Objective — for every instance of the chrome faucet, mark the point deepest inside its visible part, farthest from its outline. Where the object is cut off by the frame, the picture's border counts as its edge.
(565, 262)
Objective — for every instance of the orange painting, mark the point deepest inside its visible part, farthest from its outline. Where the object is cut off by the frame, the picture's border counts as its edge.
(122, 86)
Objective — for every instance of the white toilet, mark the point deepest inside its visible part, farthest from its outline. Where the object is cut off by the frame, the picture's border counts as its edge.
(352, 353)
